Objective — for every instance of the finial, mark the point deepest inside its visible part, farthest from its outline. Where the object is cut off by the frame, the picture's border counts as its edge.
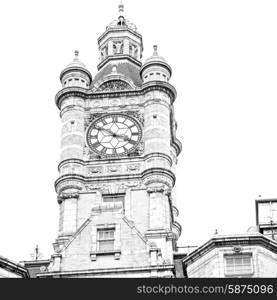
(121, 8)
(36, 255)
(155, 47)
(216, 232)
(76, 53)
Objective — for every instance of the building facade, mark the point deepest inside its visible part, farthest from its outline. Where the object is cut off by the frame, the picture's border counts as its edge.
(266, 217)
(253, 254)
(117, 165)
(245, 255)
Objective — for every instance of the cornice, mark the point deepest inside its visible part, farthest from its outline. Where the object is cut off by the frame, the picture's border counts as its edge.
(116, 177)
(159, 171)
(120, 29)
(101, 271)
(135, 61)
(115, 160)
(177, 226)
(90, 180)
(177, 145)
(89, 94)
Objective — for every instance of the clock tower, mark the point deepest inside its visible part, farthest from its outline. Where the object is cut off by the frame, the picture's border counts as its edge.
(119, 150)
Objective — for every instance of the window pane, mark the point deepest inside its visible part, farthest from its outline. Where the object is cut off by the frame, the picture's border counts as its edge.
(238, 264)
(274, 211)
(264, 213)
(106, 245)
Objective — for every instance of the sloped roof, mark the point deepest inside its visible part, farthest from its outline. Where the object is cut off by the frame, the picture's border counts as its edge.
(125, 68)
(13, 267)
(219, 241)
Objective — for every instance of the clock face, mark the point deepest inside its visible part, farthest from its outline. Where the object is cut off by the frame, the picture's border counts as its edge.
(114, 134)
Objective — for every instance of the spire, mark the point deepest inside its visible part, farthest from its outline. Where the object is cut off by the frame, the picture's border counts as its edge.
(76, 53)
(121, 8)
(121, 20)
(155, 47)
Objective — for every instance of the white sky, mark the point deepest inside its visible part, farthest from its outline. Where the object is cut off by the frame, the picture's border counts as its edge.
(224, 59)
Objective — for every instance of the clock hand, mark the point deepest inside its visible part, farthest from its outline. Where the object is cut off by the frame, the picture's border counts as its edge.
(104, 129)
(124, 137)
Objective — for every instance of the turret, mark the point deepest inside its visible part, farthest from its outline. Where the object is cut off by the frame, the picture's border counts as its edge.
(76, 74)
(120, 42)
(155, 68)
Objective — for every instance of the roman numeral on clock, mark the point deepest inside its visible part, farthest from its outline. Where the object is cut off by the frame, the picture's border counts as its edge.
(104, 150)
(96, 144)
(132, 142)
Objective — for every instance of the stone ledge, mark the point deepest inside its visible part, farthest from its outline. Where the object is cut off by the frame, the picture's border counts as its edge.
(94, 254)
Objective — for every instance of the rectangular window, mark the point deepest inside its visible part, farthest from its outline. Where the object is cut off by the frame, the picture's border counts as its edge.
(105, 239)
(240, 264)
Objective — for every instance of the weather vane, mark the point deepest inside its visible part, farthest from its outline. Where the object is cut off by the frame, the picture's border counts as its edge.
(121, 8)
(37, 254)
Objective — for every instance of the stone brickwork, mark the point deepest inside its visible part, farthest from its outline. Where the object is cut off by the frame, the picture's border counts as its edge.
(137, 182)
(209, 260)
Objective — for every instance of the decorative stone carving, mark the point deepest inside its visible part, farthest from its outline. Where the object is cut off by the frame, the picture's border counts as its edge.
(156, 189)
(63, 196)
(70, 186)
(95, 170)
(118, 47)
(104, 52)
(237, 249)
(133, 50)
(113, 169)
(132, 101)
(114, 102)
(114, 85)
(91, 118)
(112, 187)
(96, 103)
(149, 96)
(99, 186)
(132, 168)
(130, 184)
(140, 148)
(153, 180)
(137, 115)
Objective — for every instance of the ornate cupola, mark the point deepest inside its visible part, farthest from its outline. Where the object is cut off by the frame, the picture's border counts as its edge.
(155, 68)
(76, 74)
(121, 42)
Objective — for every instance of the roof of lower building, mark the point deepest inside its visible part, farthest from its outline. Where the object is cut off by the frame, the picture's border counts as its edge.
(13, 267)
(36, 266)
(235, 240)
